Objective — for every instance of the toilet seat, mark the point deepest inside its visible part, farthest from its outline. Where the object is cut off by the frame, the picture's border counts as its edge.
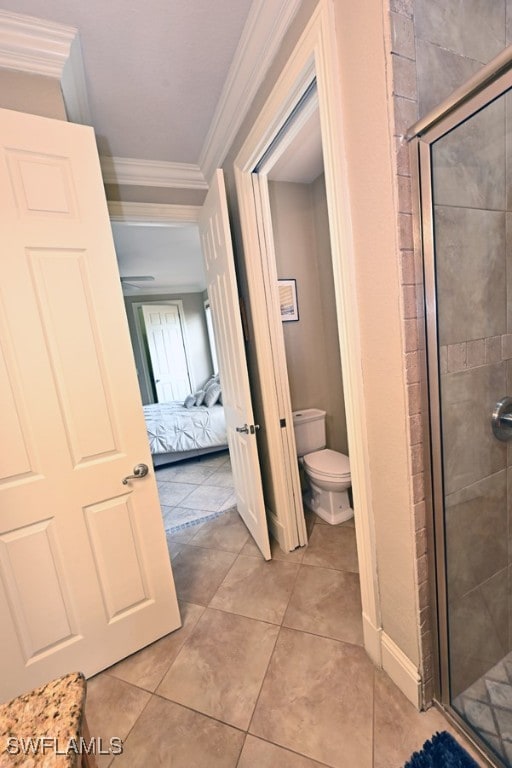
(328, 464)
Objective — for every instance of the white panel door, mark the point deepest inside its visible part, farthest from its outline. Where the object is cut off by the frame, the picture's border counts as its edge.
(236, 395)
(167, 351)
(85, 577)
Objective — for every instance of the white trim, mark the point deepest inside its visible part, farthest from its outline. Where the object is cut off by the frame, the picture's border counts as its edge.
(34, 45)
(153, 213)
(262, 35)
(74, 87)
(306, 111)
(401, 670)
(41, 47)
(315, 55)
(277, 531)
(151, 173)
(372, 640)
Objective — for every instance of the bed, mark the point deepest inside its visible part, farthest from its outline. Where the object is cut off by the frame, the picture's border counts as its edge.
(176, 432)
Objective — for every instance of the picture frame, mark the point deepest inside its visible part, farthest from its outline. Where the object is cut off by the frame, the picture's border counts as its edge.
(288, 300)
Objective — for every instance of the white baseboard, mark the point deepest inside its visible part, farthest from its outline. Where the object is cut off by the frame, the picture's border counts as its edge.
(372, 641)
(276, 529)
(401, 670)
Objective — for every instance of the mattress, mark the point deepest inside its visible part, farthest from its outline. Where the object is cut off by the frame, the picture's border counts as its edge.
(172, 427)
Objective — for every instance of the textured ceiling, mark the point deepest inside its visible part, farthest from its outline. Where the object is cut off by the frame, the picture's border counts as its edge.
(172, 255)
(154, 69)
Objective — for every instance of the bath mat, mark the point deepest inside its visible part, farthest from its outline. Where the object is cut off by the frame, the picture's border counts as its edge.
(186, 518)
(442, 751)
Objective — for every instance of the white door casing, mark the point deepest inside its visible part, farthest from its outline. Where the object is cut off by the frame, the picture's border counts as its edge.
(85, 577)
(315, 55)
(167, 351)
(236, 396)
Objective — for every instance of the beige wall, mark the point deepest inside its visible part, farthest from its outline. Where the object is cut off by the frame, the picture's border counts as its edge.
(127, 193)
(301, 237)
(361, 34)
(197, 336)
(36, 94)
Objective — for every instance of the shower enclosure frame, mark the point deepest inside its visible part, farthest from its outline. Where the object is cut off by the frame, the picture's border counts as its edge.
(491, 82)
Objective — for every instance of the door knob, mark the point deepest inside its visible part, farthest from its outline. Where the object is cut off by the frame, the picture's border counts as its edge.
(139, 470)
(501, 419)
(248, 429)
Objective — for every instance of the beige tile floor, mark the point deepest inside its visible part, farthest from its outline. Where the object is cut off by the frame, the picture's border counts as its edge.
(268, 669)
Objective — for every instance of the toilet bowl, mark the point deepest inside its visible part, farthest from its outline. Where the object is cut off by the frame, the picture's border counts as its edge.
(327, 472)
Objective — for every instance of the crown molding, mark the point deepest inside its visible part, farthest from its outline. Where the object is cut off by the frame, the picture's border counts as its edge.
(261, 37)
(153, 213)
(34, 45)
(151, 173)
(45, 48)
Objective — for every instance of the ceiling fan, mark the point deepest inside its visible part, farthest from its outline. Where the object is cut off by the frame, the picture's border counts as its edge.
(132, 280)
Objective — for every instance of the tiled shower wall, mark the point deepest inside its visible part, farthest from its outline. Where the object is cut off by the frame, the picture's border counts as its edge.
(435, 46)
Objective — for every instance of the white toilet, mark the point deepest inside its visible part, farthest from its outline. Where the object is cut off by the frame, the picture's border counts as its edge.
(327, 472)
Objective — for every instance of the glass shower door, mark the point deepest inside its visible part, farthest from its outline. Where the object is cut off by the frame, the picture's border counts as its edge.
(471, 217)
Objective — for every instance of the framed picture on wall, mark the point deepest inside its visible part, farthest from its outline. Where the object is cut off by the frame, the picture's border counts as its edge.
(288, 300)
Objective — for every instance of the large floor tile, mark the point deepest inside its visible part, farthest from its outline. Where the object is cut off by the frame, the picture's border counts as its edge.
(225, 532)
(112, 708)
(147, 667)
(327, 602)
(250, 549)
(173, 546)
(222, 476)
(210, 497)
(400, 729)
(186, 472)
(261, 754)
(317, 699)
(171, 494)
(169, 735)
(184, 535)
(257, 589)
(220, 668)
(198, 572)
(332, 547)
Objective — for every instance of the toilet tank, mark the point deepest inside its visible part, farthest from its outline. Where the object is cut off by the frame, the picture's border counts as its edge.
(309, 428)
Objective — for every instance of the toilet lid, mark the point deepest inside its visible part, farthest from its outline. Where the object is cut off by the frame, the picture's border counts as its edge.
(328, 462)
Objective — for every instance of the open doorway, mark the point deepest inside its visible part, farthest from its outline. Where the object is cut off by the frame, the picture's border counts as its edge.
(301, 252)
(164, 288)
(313, 60)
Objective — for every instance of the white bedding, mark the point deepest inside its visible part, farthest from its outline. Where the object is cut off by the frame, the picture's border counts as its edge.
(173, 428)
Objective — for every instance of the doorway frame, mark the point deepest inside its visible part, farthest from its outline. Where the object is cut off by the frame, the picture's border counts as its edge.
(155, 214)
(315, 56)
(145, 354)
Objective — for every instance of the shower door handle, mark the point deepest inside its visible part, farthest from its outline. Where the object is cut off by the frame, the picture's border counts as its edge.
(501, 419)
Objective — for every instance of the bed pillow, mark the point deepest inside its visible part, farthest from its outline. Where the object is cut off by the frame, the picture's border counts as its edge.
(212, 395)
(190, 400)
(199, 395)
(212, 381)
